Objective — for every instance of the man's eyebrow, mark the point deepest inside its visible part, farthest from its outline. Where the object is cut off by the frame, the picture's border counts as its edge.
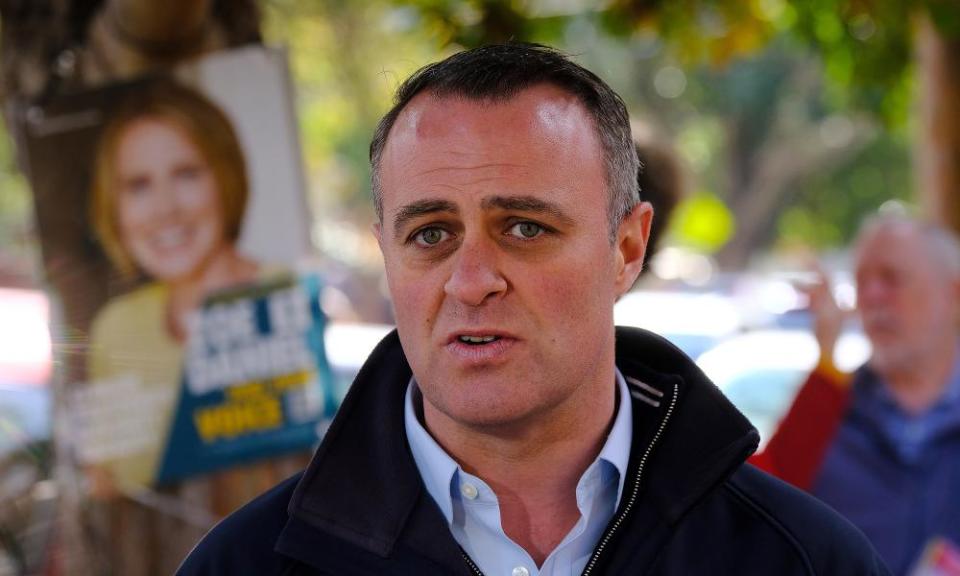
(416, 209)
(527, 204)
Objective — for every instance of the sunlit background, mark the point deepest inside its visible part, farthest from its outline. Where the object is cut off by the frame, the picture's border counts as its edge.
(790, 122)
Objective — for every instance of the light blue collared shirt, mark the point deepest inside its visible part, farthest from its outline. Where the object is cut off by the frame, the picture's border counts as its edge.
(473, 512)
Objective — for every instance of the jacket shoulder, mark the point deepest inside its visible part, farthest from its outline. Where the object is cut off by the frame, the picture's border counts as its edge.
(243, 542)
(753, 523)
(822, 540)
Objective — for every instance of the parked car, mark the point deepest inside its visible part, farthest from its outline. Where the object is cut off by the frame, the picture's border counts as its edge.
(27, 494)
(693, 321)
(761, 371)
(347, 346)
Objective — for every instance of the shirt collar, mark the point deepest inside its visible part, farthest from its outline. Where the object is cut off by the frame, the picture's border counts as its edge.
(909, 436)
(438, 469)
(616, 450)
(880, 391)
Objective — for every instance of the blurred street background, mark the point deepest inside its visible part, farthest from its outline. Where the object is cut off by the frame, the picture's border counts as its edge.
(789, 121)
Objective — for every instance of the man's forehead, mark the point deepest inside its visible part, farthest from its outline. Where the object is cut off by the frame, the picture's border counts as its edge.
(898, 245)
(545, 107)
(448, 140)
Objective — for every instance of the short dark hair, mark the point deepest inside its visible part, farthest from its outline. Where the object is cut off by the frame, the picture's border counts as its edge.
(498, 72)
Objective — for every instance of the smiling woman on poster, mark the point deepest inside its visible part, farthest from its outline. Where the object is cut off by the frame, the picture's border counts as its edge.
(168, 198)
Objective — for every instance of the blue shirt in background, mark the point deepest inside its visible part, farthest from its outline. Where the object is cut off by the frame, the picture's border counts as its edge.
(896, 476)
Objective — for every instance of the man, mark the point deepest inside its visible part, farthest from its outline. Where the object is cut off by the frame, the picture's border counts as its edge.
(882, 446)
(505, 428)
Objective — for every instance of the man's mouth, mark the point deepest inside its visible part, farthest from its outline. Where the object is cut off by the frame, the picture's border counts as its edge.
(477, 340)
(481, 346)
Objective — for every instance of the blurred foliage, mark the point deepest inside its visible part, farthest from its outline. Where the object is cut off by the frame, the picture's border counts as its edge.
(340, 92)
(865, 45)
(725, 81)
(833, 204)
(346, 59)
(17, 245)
(704, 222)
(824, 87)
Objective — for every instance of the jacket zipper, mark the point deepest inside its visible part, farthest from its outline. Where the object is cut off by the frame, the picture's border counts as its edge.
(473, 567)
(634, 493)
(626, 510)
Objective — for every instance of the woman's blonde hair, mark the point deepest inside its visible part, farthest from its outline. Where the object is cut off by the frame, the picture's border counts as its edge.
(203, 123)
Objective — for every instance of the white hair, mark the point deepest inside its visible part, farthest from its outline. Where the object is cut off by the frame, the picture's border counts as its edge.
(942, 244)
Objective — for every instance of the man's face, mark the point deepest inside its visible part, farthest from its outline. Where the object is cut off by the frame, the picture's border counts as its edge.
(906, 303)
(498, 257)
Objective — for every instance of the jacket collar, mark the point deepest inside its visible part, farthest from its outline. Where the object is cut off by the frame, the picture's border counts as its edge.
(362, 486)
(705, 438)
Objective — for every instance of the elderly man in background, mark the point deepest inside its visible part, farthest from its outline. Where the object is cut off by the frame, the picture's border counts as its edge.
(882, 445)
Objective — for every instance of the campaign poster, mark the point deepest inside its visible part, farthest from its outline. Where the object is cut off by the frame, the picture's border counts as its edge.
(172, 215)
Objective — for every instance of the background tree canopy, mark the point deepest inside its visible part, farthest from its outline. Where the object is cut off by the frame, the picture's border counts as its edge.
(795, 116)
(792, 119)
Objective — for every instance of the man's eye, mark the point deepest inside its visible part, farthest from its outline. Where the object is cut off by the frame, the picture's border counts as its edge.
(430, 236)
(526, 230)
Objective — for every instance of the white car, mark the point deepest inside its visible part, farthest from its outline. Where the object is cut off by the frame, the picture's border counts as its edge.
(347, 346)
(693, 321)
(761, 371)
(25, 367)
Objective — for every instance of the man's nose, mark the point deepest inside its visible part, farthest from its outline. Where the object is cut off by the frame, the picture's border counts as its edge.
(870, 292)
(476, 276)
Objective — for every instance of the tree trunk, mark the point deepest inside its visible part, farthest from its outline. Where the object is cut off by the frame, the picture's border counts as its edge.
(938, 144)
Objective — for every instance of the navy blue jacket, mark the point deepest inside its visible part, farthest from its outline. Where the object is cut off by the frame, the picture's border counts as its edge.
(864, 466)
(690, 505)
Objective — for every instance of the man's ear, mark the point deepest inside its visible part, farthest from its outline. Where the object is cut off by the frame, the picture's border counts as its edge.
(631, 247)
(377, 230)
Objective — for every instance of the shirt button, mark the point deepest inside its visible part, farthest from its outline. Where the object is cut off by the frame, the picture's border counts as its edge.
(520, 571)
(470, 492)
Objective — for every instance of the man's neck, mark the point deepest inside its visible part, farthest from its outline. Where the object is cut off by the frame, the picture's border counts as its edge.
(919, 386)
(533, 468)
